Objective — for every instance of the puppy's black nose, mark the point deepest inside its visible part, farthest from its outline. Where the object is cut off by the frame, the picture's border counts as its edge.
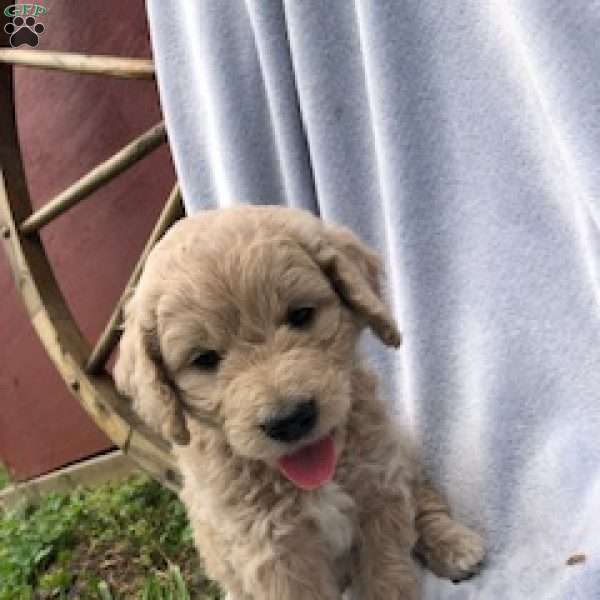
(295, 425)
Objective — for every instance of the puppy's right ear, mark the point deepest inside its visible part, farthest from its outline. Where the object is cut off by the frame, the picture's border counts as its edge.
(139, 374)
(354, 272)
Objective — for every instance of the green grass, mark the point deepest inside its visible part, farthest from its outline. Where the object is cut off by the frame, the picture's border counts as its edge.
(113, 542)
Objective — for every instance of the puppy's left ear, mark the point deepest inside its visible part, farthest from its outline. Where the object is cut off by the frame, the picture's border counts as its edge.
(140, 375)
(355, 273)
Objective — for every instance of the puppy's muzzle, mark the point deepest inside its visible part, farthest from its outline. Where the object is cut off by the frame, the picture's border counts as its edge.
(293, 426)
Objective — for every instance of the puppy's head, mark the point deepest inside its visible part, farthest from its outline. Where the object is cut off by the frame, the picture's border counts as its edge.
(246, 320)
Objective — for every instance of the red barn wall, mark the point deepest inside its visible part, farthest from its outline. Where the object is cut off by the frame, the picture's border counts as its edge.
(67, 124)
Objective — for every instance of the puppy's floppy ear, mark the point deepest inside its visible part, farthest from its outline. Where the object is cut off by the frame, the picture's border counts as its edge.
(139, 374)
(355, 273)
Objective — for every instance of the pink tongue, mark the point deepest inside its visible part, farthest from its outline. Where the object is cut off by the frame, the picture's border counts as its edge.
(312, 466)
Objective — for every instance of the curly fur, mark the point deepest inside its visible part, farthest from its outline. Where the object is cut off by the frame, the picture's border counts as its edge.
(224, 281)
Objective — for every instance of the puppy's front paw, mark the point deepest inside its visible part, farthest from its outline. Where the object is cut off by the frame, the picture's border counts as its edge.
(456, 553)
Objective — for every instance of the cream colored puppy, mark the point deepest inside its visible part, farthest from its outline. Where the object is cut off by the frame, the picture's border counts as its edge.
(240, 346)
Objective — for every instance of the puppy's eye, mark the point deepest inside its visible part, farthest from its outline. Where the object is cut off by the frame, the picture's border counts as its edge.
(208, 361)
(300, 318)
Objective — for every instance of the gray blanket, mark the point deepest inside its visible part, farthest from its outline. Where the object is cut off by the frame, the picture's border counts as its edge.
(462, 140)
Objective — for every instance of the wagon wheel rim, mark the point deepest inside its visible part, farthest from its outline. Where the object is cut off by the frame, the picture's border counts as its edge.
(81, 367)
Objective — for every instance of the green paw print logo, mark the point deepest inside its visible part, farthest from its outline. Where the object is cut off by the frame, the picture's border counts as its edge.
(24, 31)
(24, 28)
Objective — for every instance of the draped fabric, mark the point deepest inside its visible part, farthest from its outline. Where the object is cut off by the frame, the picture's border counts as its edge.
(462, 141)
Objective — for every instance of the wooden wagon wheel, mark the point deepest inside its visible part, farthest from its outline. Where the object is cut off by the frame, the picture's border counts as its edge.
(81, 367)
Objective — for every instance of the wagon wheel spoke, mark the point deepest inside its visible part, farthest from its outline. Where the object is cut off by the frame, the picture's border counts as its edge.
(48, 311)
(109, 338)
(112, 66)
(97, 177)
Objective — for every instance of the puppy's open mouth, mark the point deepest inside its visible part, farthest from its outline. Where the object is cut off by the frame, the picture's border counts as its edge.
(312, 466)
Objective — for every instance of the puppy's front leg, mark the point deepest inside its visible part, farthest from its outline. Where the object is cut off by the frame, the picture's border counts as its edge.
(449, 548)
(300, 571)
(386, 570)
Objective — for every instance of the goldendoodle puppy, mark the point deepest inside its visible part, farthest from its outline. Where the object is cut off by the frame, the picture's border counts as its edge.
(240, 346)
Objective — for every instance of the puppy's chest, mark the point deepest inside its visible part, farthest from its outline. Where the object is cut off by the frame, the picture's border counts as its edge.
(335, 516)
